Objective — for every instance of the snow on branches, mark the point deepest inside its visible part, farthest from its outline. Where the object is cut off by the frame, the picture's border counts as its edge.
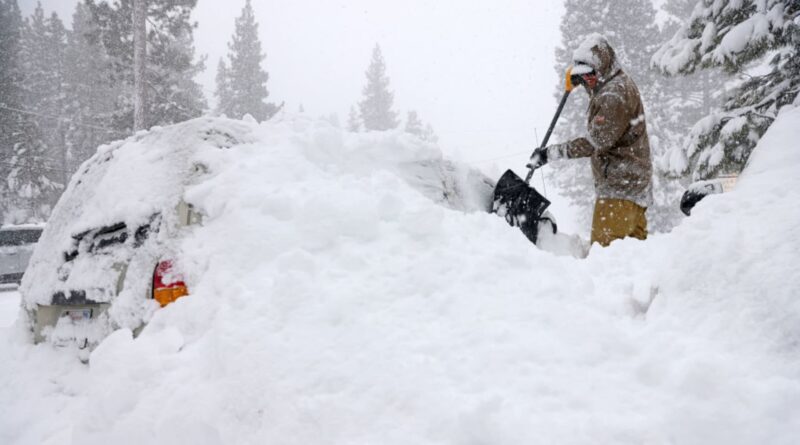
(756, 40)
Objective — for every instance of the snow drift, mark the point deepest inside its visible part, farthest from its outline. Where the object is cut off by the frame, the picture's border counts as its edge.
(332, 302)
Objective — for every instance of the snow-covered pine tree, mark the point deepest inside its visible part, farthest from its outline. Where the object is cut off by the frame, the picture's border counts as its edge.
(26, 174)
(89, 93)
(376, 105)
(630, 27)
(415, 126)
(353, 120)
(758, 40)
(173, 94)
(11, 25)
(223, 90)
(10, 90)
(246, 79)
(694, 96)
(32, 185)
(43, 60)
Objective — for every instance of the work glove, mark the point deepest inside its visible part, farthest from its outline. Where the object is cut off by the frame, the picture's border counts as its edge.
(538, 158)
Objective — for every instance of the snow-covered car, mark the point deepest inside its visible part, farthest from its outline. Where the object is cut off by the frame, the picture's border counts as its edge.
(700, 189)
(107, 256)
(16, 246)
(110, 256)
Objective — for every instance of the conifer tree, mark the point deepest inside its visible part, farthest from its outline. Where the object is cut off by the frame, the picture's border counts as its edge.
(43, 59)
(88, 89)
(736, 36)
(245, 79)
(26, 173)
(10, 91)
(32, 176)
(415, 126)
(376, 106)
(173, 94)
(223, 90)
(353, 120)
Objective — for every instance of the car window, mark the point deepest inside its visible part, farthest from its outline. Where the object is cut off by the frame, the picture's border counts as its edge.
(19, 237)
(105, 238)
(108, 236)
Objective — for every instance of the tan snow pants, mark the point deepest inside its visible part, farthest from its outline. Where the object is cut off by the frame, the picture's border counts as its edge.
(616, 219)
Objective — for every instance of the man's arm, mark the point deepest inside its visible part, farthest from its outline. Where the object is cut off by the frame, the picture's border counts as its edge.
(605, 130)
(578, 148)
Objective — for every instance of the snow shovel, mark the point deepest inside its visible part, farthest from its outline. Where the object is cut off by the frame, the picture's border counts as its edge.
(516, 200)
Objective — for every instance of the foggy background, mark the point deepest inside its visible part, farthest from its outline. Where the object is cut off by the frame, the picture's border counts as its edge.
(481, 72)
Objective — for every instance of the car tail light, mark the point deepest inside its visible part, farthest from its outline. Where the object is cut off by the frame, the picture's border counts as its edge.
(168, 285)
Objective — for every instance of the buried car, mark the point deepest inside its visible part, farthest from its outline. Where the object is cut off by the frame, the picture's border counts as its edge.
(107, 258)
(111, 254)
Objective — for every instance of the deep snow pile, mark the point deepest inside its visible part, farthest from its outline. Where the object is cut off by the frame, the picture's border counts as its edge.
(334, 303)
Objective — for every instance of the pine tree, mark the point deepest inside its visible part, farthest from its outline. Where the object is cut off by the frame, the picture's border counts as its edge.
(376, 105)
(223, 91)
(173, 94)
(353, 120)
(26, 173)
(246, 80)
(43, 58)
(31, 180)
(11, 25)
(631, 29)
(10, 92)
(736, 36)
(89, 92)
(415, 126)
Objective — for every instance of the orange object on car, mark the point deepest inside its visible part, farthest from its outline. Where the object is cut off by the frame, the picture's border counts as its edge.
(167, 285)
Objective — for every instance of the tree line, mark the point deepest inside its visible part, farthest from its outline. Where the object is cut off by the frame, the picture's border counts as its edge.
(64, 92)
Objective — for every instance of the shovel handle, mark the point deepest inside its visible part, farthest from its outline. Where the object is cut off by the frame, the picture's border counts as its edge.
(550, 129)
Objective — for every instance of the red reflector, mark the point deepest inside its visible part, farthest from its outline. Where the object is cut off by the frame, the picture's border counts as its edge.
(165, 277)
(168, 285)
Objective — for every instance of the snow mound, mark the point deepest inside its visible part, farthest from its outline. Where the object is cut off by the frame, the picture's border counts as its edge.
(332, 302)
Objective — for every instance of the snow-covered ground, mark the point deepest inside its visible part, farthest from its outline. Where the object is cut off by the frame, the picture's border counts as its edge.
(9, 305)
(332, 303)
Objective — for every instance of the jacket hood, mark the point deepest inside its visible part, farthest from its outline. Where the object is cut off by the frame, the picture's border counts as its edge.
(595, 52)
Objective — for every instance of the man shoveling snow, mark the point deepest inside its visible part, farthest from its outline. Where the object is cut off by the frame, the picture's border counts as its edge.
(617, 144)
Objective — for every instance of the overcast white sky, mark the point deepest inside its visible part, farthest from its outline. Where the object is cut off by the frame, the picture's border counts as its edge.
(480, 71)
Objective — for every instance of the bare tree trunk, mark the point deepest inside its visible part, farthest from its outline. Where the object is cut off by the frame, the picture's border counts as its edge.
(139, 62)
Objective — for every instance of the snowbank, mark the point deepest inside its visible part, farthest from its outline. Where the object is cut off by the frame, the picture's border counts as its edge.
(332, 302)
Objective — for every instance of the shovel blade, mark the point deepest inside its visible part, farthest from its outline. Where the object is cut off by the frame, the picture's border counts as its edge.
(519, 203)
